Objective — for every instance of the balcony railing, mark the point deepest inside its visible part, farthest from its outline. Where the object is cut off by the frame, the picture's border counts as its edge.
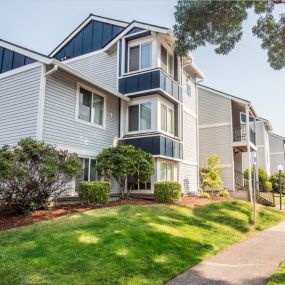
(155, 79)
(240, 134)
(156, 145)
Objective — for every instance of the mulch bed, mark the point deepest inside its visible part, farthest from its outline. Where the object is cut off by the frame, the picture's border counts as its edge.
(9, 220)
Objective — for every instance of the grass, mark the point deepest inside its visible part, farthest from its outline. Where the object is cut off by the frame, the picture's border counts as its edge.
(278, 278)
(127, 245)
(277, 199)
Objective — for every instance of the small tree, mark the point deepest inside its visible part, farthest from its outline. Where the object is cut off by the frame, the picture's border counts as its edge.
(32, 172)
(274, 179)
(123, 161)
(211, 175)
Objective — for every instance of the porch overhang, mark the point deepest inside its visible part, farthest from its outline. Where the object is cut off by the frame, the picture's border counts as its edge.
(242, 147)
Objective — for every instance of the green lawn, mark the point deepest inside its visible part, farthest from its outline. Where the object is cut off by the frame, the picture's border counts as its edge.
(277, 199)
(278, 277)
(124, 245)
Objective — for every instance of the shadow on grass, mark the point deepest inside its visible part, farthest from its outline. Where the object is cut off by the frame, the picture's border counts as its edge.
(227, 214)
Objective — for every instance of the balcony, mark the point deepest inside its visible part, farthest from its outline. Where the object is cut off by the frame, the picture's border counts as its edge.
(156, 145)
(240, 138)
(150, 81)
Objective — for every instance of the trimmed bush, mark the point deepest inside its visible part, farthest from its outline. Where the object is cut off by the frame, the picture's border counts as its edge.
(267, 186)
(167, 191)
(262, 177)
(91, 193)
(274, 179)
(224, 194)
(205, 195)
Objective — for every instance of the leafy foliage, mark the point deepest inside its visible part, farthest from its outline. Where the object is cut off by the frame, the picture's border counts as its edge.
(274, 179)
(210, 175)
(224, 193)
(219, 23)
(169, 191)
(94, 192)
(32, 172)
(123, 161)
(263, 178)
(205, 195)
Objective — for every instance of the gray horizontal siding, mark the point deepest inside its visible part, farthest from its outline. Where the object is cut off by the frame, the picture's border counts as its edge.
(19, 98)
(189, 138)
(216, 140)
(228, 178)
(188, 178)
(60, 126)
(101, 67)
(213, 108)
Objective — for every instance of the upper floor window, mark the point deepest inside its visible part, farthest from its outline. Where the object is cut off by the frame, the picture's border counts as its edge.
(140, 117)
(188, 89)
(166, 60)
(91, 107)
(140, 56)
(167, 119)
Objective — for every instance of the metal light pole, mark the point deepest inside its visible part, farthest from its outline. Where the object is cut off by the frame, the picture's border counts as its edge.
(280, 169)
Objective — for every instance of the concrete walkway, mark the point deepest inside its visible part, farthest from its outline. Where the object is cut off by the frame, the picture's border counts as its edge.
(251, 262)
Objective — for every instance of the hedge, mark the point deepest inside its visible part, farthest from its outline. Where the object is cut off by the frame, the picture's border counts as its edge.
(167, 191)
(94, 192)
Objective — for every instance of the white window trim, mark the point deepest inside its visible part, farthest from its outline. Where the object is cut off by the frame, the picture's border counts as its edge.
(168, 107)
(175, 178)
(169, 52)
(139, 43)
(93, 91)
(139, 116)
(89, 167)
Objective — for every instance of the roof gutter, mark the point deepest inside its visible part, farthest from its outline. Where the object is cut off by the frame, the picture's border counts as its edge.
(58, 65)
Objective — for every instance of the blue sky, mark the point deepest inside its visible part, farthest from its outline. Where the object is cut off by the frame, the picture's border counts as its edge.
(42, 24)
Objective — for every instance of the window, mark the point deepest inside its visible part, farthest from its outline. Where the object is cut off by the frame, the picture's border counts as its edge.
(188, 90)
(167, 119)
(91, 107)
(88, 171)
(243, 118)
(166, 60)
(135, 184)
(140, 57)
(166, 171)
(140, 117)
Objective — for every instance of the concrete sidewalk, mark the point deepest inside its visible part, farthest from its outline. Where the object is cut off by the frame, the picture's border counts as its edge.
(250, 262)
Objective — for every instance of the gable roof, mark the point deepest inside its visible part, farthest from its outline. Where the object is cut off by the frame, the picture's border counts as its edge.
(277, 136)
(91, 18)
(52, 61)
(232, 97)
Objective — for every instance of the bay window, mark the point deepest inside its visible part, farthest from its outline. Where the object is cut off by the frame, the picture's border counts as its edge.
(167, 60)
(167, 119)
(140, 56)
(140, 117)
(166, 171)
(91, 107)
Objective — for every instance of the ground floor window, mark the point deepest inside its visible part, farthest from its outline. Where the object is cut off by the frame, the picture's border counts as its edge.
(166, 171)
(133, 183)
(88, 171)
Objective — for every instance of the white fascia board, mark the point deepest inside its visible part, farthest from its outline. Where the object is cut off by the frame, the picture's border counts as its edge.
(275, 135)
(89, 80)
(135, 25)
(228, 96)
(25, 52)
(84, 24)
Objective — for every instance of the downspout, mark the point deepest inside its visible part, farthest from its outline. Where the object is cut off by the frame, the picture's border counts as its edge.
(53, 70)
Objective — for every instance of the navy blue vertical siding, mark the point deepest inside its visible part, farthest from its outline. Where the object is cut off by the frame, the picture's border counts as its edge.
(92, 37)
(10, 60)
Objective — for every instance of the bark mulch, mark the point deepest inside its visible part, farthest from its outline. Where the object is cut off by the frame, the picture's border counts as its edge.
(9, 220)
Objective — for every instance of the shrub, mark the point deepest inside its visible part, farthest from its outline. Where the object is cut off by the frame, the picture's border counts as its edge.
(263, 178)
(91, 193)
(224, 193)
(267, 186)
(167, 191)
(122, 161)
(274, 179)
(32, 172)
(205, 195)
